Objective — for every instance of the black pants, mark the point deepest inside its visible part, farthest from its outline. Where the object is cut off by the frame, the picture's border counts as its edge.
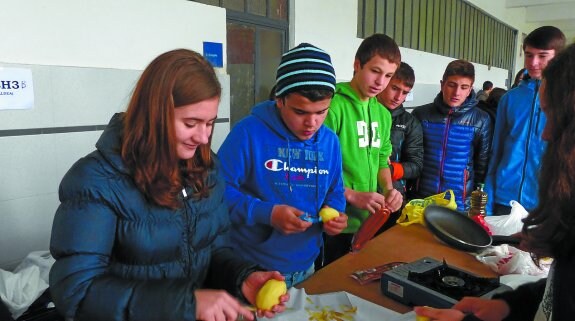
(333, 248)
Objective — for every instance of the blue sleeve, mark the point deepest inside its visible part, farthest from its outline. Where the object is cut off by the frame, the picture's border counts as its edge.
(236, 162)
(496, 151)
(335, 196)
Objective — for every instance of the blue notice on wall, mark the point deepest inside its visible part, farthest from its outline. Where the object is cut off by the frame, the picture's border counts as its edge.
(213, 52)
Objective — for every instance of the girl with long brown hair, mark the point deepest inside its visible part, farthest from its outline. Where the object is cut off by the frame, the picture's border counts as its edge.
(141, 228)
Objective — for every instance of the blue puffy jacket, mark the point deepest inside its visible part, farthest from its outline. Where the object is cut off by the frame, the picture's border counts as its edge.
(456, 147)
(120, 257)
(517, 148)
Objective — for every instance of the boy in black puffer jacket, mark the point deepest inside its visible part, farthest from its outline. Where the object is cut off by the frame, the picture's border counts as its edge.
(406, 159)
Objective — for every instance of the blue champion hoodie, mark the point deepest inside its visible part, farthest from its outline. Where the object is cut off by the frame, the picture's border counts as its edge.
(264, 164)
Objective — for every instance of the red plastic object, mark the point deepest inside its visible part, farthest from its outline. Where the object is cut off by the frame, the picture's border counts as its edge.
(368, 229)
(481, 221)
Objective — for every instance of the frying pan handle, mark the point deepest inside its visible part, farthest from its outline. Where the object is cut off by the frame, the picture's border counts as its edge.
(505, 239)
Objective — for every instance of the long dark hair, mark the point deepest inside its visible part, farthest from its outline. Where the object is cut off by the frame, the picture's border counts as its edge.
(550, 228)
(174, 79)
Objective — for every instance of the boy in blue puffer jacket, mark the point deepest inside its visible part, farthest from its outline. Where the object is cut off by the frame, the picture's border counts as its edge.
(282, 166)
(456, 137)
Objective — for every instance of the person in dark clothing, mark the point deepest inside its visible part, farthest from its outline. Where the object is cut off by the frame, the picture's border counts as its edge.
(141, 228)
(406, 159)
(456, 137)
(484, 93)
(549, 230)
(490, 105)
(518, 77)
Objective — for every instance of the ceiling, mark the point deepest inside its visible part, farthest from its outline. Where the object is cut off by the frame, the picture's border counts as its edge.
(558, 13)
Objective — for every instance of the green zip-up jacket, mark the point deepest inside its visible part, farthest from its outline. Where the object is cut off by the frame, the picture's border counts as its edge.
(363, 128)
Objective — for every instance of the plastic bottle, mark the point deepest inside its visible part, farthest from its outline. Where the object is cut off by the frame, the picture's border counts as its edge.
(477, 210)
(478, 202)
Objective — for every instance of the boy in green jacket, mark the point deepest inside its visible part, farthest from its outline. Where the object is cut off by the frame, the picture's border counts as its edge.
(363, 126)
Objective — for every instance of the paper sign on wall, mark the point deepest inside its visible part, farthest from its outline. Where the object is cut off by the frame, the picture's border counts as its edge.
(16, 88)
(213, 52)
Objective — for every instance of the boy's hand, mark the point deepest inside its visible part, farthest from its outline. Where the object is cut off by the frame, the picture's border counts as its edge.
(253, 284)
(439, 314)
(286, 219)
(393, 200)
(336, 225)
(370, 201)
(488, 310)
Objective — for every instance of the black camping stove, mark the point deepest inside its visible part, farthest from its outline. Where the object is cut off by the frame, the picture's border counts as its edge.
(435, 284)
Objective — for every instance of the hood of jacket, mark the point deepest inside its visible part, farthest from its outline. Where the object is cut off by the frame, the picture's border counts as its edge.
(267, 112)
(397, 111)
(110, 143)
(349, 93)
(529, 83)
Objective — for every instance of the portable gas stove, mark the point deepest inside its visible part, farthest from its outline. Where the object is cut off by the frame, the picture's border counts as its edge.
(436, 284)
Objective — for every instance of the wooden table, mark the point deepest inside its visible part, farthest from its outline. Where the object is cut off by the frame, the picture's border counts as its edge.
(403, 244)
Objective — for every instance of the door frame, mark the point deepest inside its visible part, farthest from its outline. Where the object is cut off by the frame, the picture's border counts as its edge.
(259, 22)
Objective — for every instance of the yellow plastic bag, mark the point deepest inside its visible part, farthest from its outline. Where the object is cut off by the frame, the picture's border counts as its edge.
(413, 210)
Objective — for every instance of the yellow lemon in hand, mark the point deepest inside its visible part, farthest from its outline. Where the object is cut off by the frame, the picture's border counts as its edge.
(328, 213)
(269, 294)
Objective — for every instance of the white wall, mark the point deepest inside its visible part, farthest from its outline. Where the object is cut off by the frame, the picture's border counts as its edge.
(124, 34)
(98, 37)
(335, 30)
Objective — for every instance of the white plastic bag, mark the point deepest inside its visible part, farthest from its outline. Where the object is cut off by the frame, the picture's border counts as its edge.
(507, 224)
(20, 288)
(505, 259)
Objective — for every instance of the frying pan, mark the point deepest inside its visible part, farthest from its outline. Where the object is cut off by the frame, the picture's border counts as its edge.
(461, 232)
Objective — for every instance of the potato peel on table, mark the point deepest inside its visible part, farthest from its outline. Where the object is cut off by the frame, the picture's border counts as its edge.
(326, 313)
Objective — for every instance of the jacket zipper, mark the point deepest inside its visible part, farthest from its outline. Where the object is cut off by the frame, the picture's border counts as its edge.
(369, 135)
(187, 227)
(444, 148)
(465, 177)
(527, 142)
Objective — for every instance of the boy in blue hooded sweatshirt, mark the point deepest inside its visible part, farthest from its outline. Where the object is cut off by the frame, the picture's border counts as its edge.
(282, 166)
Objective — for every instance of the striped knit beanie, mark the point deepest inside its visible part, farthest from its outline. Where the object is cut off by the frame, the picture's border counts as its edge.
(304, 67)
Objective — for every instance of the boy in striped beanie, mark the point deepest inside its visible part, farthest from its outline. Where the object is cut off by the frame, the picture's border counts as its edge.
(282, 166)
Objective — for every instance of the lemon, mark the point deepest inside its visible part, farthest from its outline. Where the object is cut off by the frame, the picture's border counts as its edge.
(269, 294)
(328, 213)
